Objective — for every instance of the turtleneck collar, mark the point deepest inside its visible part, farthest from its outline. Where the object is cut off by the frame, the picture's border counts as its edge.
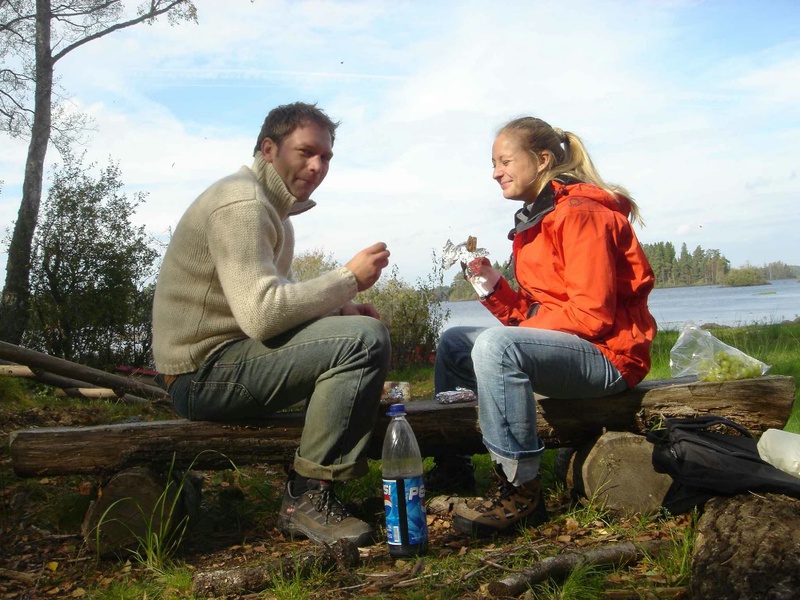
(280, 196)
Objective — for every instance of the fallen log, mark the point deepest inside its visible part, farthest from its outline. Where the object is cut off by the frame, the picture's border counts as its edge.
(752, 403)
(225, 583)
(66, 384)
(747, 548)
(561, 565)
(58, 366)
(757, 404)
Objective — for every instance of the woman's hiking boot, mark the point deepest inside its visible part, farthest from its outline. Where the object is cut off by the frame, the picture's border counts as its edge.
(511, 506)
(316, 513)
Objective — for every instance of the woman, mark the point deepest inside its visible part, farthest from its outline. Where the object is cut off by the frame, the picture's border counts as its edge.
(579, 325)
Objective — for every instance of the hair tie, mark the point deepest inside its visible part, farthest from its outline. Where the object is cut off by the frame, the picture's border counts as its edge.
(561, 135)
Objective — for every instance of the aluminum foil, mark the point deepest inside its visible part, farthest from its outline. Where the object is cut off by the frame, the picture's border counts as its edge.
(459, 253)
(460, 394)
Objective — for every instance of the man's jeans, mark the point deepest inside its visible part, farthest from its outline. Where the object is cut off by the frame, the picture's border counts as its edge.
(505, 366)
(337, 363)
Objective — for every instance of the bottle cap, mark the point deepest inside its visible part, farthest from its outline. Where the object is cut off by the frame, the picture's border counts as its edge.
(396, 409)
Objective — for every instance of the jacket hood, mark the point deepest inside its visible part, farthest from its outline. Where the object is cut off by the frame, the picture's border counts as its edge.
(559, 190)
(618, 202)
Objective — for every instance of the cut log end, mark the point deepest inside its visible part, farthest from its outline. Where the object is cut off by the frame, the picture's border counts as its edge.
(618, 471)
(137, 503)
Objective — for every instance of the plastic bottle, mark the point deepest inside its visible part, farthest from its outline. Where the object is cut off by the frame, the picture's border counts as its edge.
(403, 488)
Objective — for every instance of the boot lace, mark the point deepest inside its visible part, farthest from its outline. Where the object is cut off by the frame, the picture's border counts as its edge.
(326, 502)
(502, 493)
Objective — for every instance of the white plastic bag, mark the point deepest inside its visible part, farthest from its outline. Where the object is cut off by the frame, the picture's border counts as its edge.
(697, 352)
(781, 449)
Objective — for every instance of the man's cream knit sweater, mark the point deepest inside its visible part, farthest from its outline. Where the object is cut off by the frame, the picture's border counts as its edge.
(227, 273)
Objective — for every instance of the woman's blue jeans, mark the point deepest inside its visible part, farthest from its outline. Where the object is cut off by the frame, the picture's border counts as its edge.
(506, 366)
(338, 364)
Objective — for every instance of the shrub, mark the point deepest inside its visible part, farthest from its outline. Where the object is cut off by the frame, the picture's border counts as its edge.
(413, 315)
(745, 276)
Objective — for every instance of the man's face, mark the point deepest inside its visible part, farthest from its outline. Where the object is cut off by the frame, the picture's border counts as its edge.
(302, 159)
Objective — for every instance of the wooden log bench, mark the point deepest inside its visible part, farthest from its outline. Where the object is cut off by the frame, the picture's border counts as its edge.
(757, 404)
(134, 455)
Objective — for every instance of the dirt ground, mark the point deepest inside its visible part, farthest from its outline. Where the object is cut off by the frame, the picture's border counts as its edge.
(43, 555)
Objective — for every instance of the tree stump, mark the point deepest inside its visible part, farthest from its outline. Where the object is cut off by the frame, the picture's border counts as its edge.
(748, 548)
(618, 472)
(136, 502)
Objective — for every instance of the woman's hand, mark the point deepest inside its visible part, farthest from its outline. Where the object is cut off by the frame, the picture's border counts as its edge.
(482, 275)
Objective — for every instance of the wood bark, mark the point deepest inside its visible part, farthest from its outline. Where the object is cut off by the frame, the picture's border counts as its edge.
(65, 368)
(225, 583)
(757, 404)
(16, 291)
(748, 548)
(561, 565)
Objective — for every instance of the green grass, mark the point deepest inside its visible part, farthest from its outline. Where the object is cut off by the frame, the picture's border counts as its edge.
(583, 583)
(242, 498)
(175, 582)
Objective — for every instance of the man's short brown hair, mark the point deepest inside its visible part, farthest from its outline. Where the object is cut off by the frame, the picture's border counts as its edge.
(283, 120)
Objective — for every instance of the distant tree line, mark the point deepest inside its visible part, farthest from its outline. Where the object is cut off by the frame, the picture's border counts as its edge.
(701, 267)
(671, 269)
(708, 267)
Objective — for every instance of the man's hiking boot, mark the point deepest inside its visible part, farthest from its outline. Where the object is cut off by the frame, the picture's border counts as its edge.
(512, 506)
(452, 474)
(316, 513)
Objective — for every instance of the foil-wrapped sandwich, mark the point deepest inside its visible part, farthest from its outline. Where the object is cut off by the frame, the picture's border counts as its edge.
(462, 253)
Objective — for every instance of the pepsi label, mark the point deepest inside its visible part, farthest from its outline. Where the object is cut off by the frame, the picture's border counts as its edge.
(404, 503)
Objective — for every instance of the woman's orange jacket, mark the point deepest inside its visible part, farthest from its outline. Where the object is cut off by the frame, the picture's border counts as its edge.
(581, 270)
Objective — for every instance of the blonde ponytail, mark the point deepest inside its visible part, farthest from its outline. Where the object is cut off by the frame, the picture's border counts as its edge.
(569, 157)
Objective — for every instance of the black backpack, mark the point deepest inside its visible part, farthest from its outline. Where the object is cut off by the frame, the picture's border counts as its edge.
(704, 463)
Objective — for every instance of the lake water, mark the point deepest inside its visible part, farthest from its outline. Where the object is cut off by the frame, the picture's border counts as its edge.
(672, 307)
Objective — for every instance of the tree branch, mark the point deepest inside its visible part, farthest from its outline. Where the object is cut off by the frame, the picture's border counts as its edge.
(562, 564)
(149, 15)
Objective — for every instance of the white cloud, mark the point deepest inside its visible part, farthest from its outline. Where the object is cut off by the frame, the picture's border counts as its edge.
(707, 146)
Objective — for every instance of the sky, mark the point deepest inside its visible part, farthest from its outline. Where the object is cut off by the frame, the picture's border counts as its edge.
(693, 106)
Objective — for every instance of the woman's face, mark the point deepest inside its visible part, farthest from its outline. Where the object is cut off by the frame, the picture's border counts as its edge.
(516, 169)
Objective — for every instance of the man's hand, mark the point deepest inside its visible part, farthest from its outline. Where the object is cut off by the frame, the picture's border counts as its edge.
(482, 275)
(368, 264)
(354, 309)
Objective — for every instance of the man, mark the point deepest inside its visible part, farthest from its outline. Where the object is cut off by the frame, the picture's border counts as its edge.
(235, 337)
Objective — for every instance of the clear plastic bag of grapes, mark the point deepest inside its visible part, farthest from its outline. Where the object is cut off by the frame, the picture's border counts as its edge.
(698, 353)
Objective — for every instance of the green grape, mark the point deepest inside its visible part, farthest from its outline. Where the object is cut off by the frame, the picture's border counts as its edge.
(726, 367)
